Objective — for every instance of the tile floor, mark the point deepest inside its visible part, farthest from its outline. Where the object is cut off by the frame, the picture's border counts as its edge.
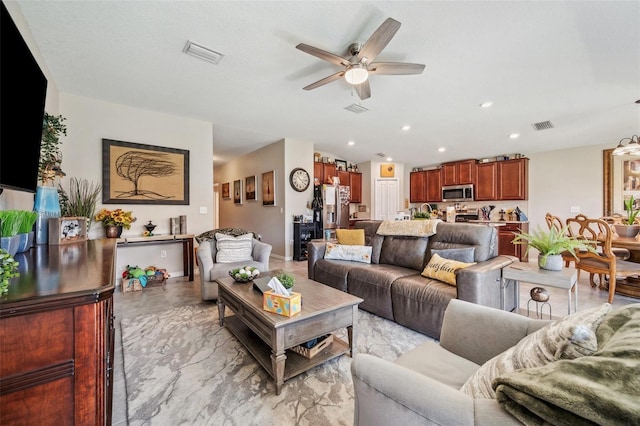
(179, 292)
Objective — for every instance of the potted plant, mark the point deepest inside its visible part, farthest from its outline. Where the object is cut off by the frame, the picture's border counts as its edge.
(49, 169)
(551, 244)
(629, 228)
(422, 215)
(8, 270)
(114, 221)
(80, 200)
(286, 279)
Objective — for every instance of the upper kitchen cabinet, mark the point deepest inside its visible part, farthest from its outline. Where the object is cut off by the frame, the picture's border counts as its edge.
(502, 180)
(355, 182)
(322, 171)
(433, 185)
(418, 186)
(458, 173)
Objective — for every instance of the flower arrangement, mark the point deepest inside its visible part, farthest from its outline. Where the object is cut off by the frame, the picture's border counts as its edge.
(117, 217)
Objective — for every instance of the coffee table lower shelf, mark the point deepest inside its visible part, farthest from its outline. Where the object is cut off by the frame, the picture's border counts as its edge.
(295, 364)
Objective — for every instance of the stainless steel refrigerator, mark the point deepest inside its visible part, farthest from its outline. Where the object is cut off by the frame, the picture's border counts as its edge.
(335, 206)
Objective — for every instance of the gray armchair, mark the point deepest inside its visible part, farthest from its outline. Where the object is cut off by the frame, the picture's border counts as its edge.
(210, 270)
(422, 386)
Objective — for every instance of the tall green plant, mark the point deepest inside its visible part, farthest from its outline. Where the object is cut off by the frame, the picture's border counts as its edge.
(10, 223)
(26, 219)
(80, 200)
(50, 166)
(629, 205)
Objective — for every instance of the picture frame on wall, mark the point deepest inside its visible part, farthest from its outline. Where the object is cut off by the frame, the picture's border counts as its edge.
(226, 194)
(341, 165)
(135, 173)
(269, 188)
(387, 170)
(237, 191)
(250, 192)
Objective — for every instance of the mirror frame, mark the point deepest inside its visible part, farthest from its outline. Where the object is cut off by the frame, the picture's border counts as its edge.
(607, 181)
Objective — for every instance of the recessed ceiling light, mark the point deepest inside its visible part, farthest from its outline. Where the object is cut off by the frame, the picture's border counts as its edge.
(406, 128)
(486, 104)
(442, 149)
(514, 135)
(389, 159)
(351, 143)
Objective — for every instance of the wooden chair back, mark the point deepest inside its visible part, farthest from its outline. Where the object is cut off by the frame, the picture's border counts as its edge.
(553, 222)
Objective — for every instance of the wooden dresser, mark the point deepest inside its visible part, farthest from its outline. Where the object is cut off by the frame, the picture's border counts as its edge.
(57, 336)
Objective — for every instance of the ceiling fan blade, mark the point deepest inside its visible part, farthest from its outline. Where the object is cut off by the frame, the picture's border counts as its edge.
(378, 40)
(363, 90)
(326, 80)
(323, 54)
(395, 68)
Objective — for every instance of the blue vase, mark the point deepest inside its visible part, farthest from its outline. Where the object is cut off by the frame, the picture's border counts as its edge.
(47, 205)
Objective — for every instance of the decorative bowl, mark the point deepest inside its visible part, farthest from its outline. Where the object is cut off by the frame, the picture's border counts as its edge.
(244, 274)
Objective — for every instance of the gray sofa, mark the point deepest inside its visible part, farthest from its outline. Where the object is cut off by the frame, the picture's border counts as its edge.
(422, 387)
(392, 286)
(210, 270)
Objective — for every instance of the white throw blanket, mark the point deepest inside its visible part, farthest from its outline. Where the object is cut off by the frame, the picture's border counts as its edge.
(414, 228)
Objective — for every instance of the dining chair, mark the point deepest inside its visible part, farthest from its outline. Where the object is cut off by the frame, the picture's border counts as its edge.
(603, 262)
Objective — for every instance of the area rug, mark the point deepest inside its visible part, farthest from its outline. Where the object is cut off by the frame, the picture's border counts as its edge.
(181, 367)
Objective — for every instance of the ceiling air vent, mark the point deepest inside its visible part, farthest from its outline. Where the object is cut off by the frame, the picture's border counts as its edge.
(202, 52)
(542, 125)
(358, 109)
(380, 154)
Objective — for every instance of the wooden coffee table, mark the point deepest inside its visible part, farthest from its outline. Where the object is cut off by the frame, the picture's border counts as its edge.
(267, 336)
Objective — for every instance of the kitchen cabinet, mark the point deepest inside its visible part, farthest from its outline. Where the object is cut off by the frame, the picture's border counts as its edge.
(57, 334)
(433, 185)
(514, 179)
(344, 177)
(302, 234)
(355, 182)
(506, 234)
(502, 180)
(322, 171)
(458, 172)
(418, 186)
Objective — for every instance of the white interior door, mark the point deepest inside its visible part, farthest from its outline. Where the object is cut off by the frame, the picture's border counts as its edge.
(386, 199)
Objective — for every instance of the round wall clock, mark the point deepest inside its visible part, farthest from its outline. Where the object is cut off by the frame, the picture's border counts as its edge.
(299, 179)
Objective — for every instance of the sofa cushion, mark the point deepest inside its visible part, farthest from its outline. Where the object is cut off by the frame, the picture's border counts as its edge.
(459, 235)
(464, 254)
(568, 338)
(232, 249)
(354, 237)
(408, 252)
(442, 365)
(443, 269)
(348, 252)
(373, 283)
(334, 272)
(419, 303)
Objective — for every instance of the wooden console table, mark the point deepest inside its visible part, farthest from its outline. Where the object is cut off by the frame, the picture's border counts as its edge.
(57, 336)
(188, 260)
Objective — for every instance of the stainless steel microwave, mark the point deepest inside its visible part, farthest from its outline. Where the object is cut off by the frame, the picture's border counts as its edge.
(457, 193)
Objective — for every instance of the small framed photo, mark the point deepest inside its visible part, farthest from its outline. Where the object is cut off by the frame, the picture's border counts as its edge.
(341, 165)
(225, 191)
(250, 193)
(237, 191)
(269, 188)
(362, 208)
(65, 230)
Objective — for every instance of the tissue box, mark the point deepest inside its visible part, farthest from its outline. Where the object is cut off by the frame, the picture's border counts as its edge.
(282, 305)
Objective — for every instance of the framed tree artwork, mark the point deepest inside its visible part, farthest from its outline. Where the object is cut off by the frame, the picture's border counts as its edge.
(237, 191)
(134, 173)
(226, 194)
(269, 188)
(250, 192)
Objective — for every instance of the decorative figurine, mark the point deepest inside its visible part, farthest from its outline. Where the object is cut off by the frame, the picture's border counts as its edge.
(149, 229)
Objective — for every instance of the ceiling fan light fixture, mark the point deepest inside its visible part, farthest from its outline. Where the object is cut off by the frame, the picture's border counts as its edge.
(356, 74)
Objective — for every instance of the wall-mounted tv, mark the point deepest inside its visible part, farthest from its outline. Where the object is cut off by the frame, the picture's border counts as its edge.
(23, 90)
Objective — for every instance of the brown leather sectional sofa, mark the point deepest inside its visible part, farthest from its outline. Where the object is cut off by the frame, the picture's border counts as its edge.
(392, 287)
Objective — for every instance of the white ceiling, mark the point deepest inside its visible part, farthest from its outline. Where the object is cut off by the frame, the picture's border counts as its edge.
(575, 63)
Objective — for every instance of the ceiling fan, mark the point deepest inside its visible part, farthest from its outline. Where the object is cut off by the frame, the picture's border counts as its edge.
(360, 65)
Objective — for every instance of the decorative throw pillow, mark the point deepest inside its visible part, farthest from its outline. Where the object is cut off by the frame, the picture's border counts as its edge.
(465, 254)
(350, 237)
(443, 269)
(345, 252)
(567, 338)
(232, 249)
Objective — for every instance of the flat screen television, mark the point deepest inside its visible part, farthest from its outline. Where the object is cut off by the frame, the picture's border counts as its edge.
(23, 90)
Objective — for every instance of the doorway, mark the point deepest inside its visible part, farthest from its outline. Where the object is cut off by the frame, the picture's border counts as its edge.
(386, 203)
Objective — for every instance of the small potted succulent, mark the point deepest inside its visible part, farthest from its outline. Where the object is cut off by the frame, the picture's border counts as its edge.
(286, 279)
